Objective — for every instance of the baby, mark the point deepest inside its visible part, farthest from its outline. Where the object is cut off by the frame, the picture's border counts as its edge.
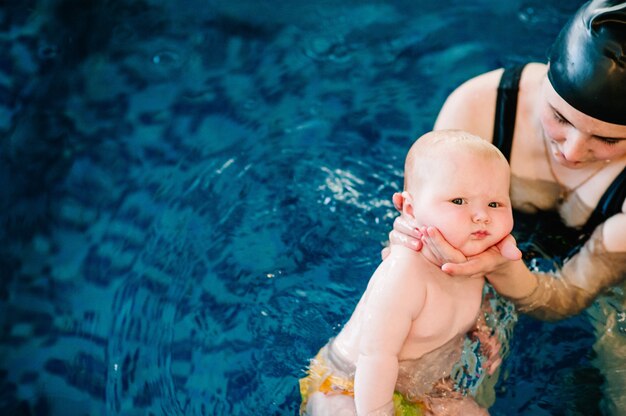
(406, 333)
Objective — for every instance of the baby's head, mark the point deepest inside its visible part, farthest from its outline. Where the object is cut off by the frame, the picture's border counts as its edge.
(425, 155)
(458, 183)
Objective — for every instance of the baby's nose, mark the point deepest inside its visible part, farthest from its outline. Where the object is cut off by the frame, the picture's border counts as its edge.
(480, 216)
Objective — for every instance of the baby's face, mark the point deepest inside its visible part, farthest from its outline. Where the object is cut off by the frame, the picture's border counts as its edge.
(467, 199)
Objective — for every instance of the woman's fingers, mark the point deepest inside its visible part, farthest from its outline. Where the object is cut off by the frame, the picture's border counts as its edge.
(508, 248)
(494, 366)
(403, 226)
(487, 261)
(405, 240)
(397, 201)
(475, 266)
(440, 247)
(405, 234)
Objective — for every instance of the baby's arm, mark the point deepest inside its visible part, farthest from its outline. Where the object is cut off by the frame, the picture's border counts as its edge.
(393, 305)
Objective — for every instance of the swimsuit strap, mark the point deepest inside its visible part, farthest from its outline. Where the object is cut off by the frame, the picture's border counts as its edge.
(609, 205)
(506, 109)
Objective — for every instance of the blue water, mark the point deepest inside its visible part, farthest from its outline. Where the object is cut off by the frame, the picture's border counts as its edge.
(193, 194)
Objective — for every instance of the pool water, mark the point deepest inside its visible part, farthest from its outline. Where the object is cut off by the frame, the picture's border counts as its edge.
(195, 193)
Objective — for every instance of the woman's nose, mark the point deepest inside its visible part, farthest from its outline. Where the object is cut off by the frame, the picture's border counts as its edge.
(575, 146)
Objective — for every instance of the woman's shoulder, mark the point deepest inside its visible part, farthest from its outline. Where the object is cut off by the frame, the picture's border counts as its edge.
(471, 106)
(487, 83)
(532, 78)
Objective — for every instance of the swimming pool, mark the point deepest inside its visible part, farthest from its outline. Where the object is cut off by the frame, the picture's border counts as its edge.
(194, 195)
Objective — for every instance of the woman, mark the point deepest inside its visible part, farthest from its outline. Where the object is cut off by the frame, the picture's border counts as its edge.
(563, 127)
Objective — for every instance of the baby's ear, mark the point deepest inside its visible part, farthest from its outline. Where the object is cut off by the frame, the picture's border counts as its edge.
(407, 205)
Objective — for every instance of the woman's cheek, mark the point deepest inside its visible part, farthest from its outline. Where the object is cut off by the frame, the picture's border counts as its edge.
(607, 152)
(551, 127)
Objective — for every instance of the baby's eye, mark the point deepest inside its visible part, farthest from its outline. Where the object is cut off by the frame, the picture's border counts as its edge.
(457, 201)
(494, 204)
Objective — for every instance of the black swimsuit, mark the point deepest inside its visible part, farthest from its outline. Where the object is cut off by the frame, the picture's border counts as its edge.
(571, 239)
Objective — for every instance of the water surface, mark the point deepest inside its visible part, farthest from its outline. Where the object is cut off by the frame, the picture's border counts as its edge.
(194, 194)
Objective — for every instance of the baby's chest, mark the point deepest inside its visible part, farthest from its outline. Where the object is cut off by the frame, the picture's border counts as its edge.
(449, 310)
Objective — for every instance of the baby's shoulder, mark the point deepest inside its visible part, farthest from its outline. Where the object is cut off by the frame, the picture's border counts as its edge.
(394, 280)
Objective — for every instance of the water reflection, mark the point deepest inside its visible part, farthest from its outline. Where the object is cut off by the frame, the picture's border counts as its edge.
(193, 195)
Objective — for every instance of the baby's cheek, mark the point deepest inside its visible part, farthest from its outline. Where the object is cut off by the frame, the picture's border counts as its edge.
(453, 230)
(508, 224)
(504, 229)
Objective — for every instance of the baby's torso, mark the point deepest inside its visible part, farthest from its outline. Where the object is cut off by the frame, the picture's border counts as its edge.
(450, 307)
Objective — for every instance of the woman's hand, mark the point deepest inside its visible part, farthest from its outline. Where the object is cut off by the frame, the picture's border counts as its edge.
(490, 345)
(441, 250)
(403, 233)
(481, 264)
(453, 262)
(500, 264)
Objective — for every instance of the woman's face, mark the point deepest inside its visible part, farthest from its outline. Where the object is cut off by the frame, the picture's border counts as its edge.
(577, 140)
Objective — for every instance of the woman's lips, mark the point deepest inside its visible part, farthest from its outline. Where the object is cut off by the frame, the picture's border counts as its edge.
(560, 158)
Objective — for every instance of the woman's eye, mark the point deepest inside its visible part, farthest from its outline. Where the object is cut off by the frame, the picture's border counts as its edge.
(457, 201)
(609, 142)
(494, 205)
(559, 119)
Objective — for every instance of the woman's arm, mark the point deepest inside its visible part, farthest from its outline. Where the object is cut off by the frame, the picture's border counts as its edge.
(590, 272)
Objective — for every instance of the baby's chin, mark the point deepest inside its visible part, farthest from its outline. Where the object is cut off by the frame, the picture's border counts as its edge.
(474, 248)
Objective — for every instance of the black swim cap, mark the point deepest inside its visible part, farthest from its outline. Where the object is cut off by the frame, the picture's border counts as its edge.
(588, 61)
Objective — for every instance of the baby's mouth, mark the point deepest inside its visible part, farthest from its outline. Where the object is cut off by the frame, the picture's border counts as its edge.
(480, 234)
